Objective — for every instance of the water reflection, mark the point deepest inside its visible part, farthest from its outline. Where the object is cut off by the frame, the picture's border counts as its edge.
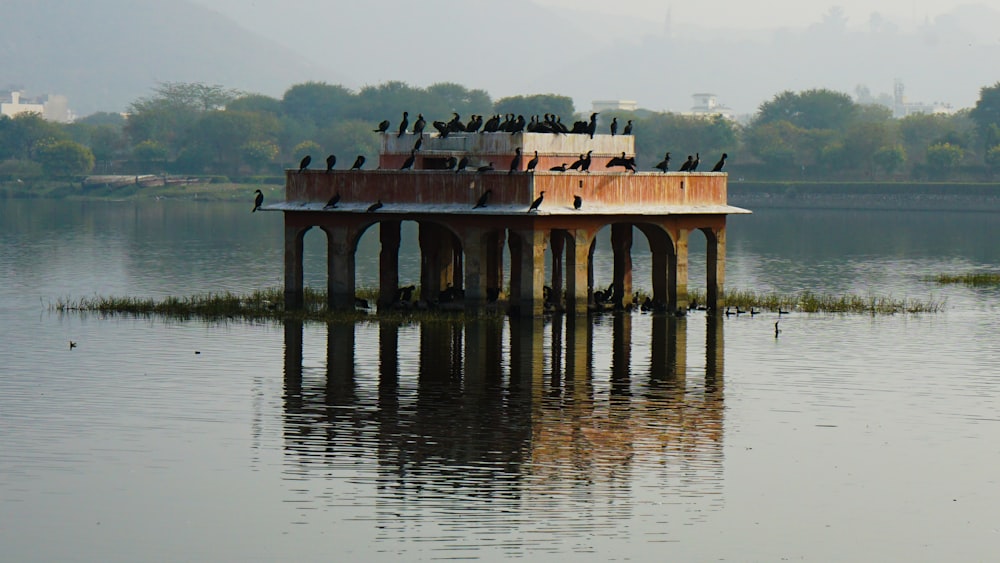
(514, 410)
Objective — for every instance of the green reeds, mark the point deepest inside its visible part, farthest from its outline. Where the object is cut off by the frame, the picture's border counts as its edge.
(809, 302)
(975, 279)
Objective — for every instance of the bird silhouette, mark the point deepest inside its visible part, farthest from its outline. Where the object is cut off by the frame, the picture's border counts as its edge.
(686, 167)
(330, 162)
(533, 163)
(628, 128)
(487, 168)
(462, 164)
(592, 126)
(374, 207)
(403, 124)
(418, 126)
(516, 163)
(419, 143)
(722, 162)
(663, 164)
(614, 126)
(576, 164)
(585, 165)
(408, 163)
(358, 162)
(450, 163)
(577, 202)
(560, 168)
(694, 164)
(383, 126)
(333, 202)
(72, 344)
(537, 202)
(304, 163)
(483, 199)
(257, 201)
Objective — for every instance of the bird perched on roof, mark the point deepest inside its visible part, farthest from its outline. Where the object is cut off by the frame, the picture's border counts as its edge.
(663, 164)
(408, 163)
(462, 164)
(516, 163)
(628, 128)
(450, 163)
(538, 201)
(374, 207)
(420, 141)
(694, 164)
(533, 163)
(418, 126)
(560, 168)
(576, 164)
(330, 162)
(358, 162)
(332, 204)
(483, 199)
(403, 124)
(383, 126)
(442, 128)
(585, 165)
(304, 163)
(722, 162)
(592, 126)
(614, 126)
(487, 168)
(686, 167)
(257, 201)
(577, 202)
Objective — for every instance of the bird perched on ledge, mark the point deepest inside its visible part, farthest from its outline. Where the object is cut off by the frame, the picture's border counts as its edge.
(577, 202)
(538, 201)
(515, 164)
(304, 163)
(383, 126)
(403, 124)
(483, 199)
(374, 207)
(330, 162)
(722, 162)
(257, 201)
(533, 163)
(332, 204)
(358, 162)
(663, 164)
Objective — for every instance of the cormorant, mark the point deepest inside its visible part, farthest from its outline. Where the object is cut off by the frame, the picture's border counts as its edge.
(686, 167)
(662, 166)
(577, 202)
(483, 199)
(628, 128)
(722, 162)
(257, 201)
(330, 161)
(304, 163)
(72, 344)
(442, 128)
(560, 168)
(614, 126)
(533, 163)
(408, 163)
(462, 164)
(694, 165)
(333, 202)
(516, 163)
(537, 202)
(576, 164)
(420, 141)
(450, 163)
(383, 126)
(585, 165)
(403, 124)
(592, 127)
(418, 127)
(374, 207)
(487, 168)
(777, 330)
(359, 162)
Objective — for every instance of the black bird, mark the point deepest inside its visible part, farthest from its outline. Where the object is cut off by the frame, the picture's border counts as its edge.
(663, 164)
(533, 163)
(304, 163)
(483, 199)
(333, 202)
(537, 202)
(577, 202)
(777, 330)
(330, 161)
(585, 165)
(462, 164)
(420, 141)
(257, 201)
(516, 163)
(358, 162)
(694, 165)
(72, 344)
(403, 124)
(442, 128)
(374, 207)
(576, 164)
(418, 127)
(408, 163)
(560, 168)
(592, 127)
(383, 126)
(686, 167)
(628, 128)
(450, 163)
(487, 168)
(722, 162)
(614, 126)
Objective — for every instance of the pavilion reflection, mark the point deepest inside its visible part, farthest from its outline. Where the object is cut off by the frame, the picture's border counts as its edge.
(489, 404)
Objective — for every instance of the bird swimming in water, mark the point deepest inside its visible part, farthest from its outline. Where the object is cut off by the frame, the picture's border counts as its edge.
(383, 126)
(483, 199)
(408, 163)
(304, 163)
(577, 202)
(374, 207)
(516, 163)
(628, 128)
(403, 124)
(358, 162)
(332, 204)
(257, 201)
(330, 162)
(663, 164)
(560, 168)
(462, 164)
(538, 201)
(532, 163)
(487, 168)
(614, 126)
(722, 162)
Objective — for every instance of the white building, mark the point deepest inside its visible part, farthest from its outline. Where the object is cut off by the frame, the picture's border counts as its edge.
(707, 105)
(53, 108)
(615, 105)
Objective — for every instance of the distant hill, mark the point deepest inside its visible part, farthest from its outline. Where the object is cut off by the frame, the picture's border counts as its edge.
(103, 54)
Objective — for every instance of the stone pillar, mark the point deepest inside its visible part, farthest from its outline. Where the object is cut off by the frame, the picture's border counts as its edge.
(531, 278)
(494, 261)
(558, 243)
(660, 248)
(476, 269)
(515, 244)
(340, 268)
(677, 272)
(294, 284)
(388, 262)
(457, 262)
(430, 261)
(590, 271)
(579, 273)
(715, 262)
(621, 244)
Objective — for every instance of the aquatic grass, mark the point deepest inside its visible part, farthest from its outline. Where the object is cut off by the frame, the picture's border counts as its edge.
(810, 302)
(975, 279)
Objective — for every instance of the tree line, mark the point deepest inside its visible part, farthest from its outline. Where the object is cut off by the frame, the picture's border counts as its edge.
(200, 129)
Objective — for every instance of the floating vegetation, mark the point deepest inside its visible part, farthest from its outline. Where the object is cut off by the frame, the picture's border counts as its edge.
(976, 279)
(809, 302)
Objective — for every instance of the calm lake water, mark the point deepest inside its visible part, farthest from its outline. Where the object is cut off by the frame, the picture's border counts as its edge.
(629, 438)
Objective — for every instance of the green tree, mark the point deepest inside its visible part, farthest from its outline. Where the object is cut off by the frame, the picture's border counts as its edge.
(390, 99)
(168, 115)
(259, 154)
(256, 103)
(22, 136)
(860, 144)
(811, 109)
(890, 158)
(221, 134)
(942, 158)
(992, 159)
(149, 152)
(537, 104)
(986, 114)
(63, 159)
(450, 97)
(318, 103)
(310, 148)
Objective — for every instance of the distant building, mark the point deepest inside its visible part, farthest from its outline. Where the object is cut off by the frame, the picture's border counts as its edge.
(707, 105)
(902, 108)
(615, 105)
(53, 108)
